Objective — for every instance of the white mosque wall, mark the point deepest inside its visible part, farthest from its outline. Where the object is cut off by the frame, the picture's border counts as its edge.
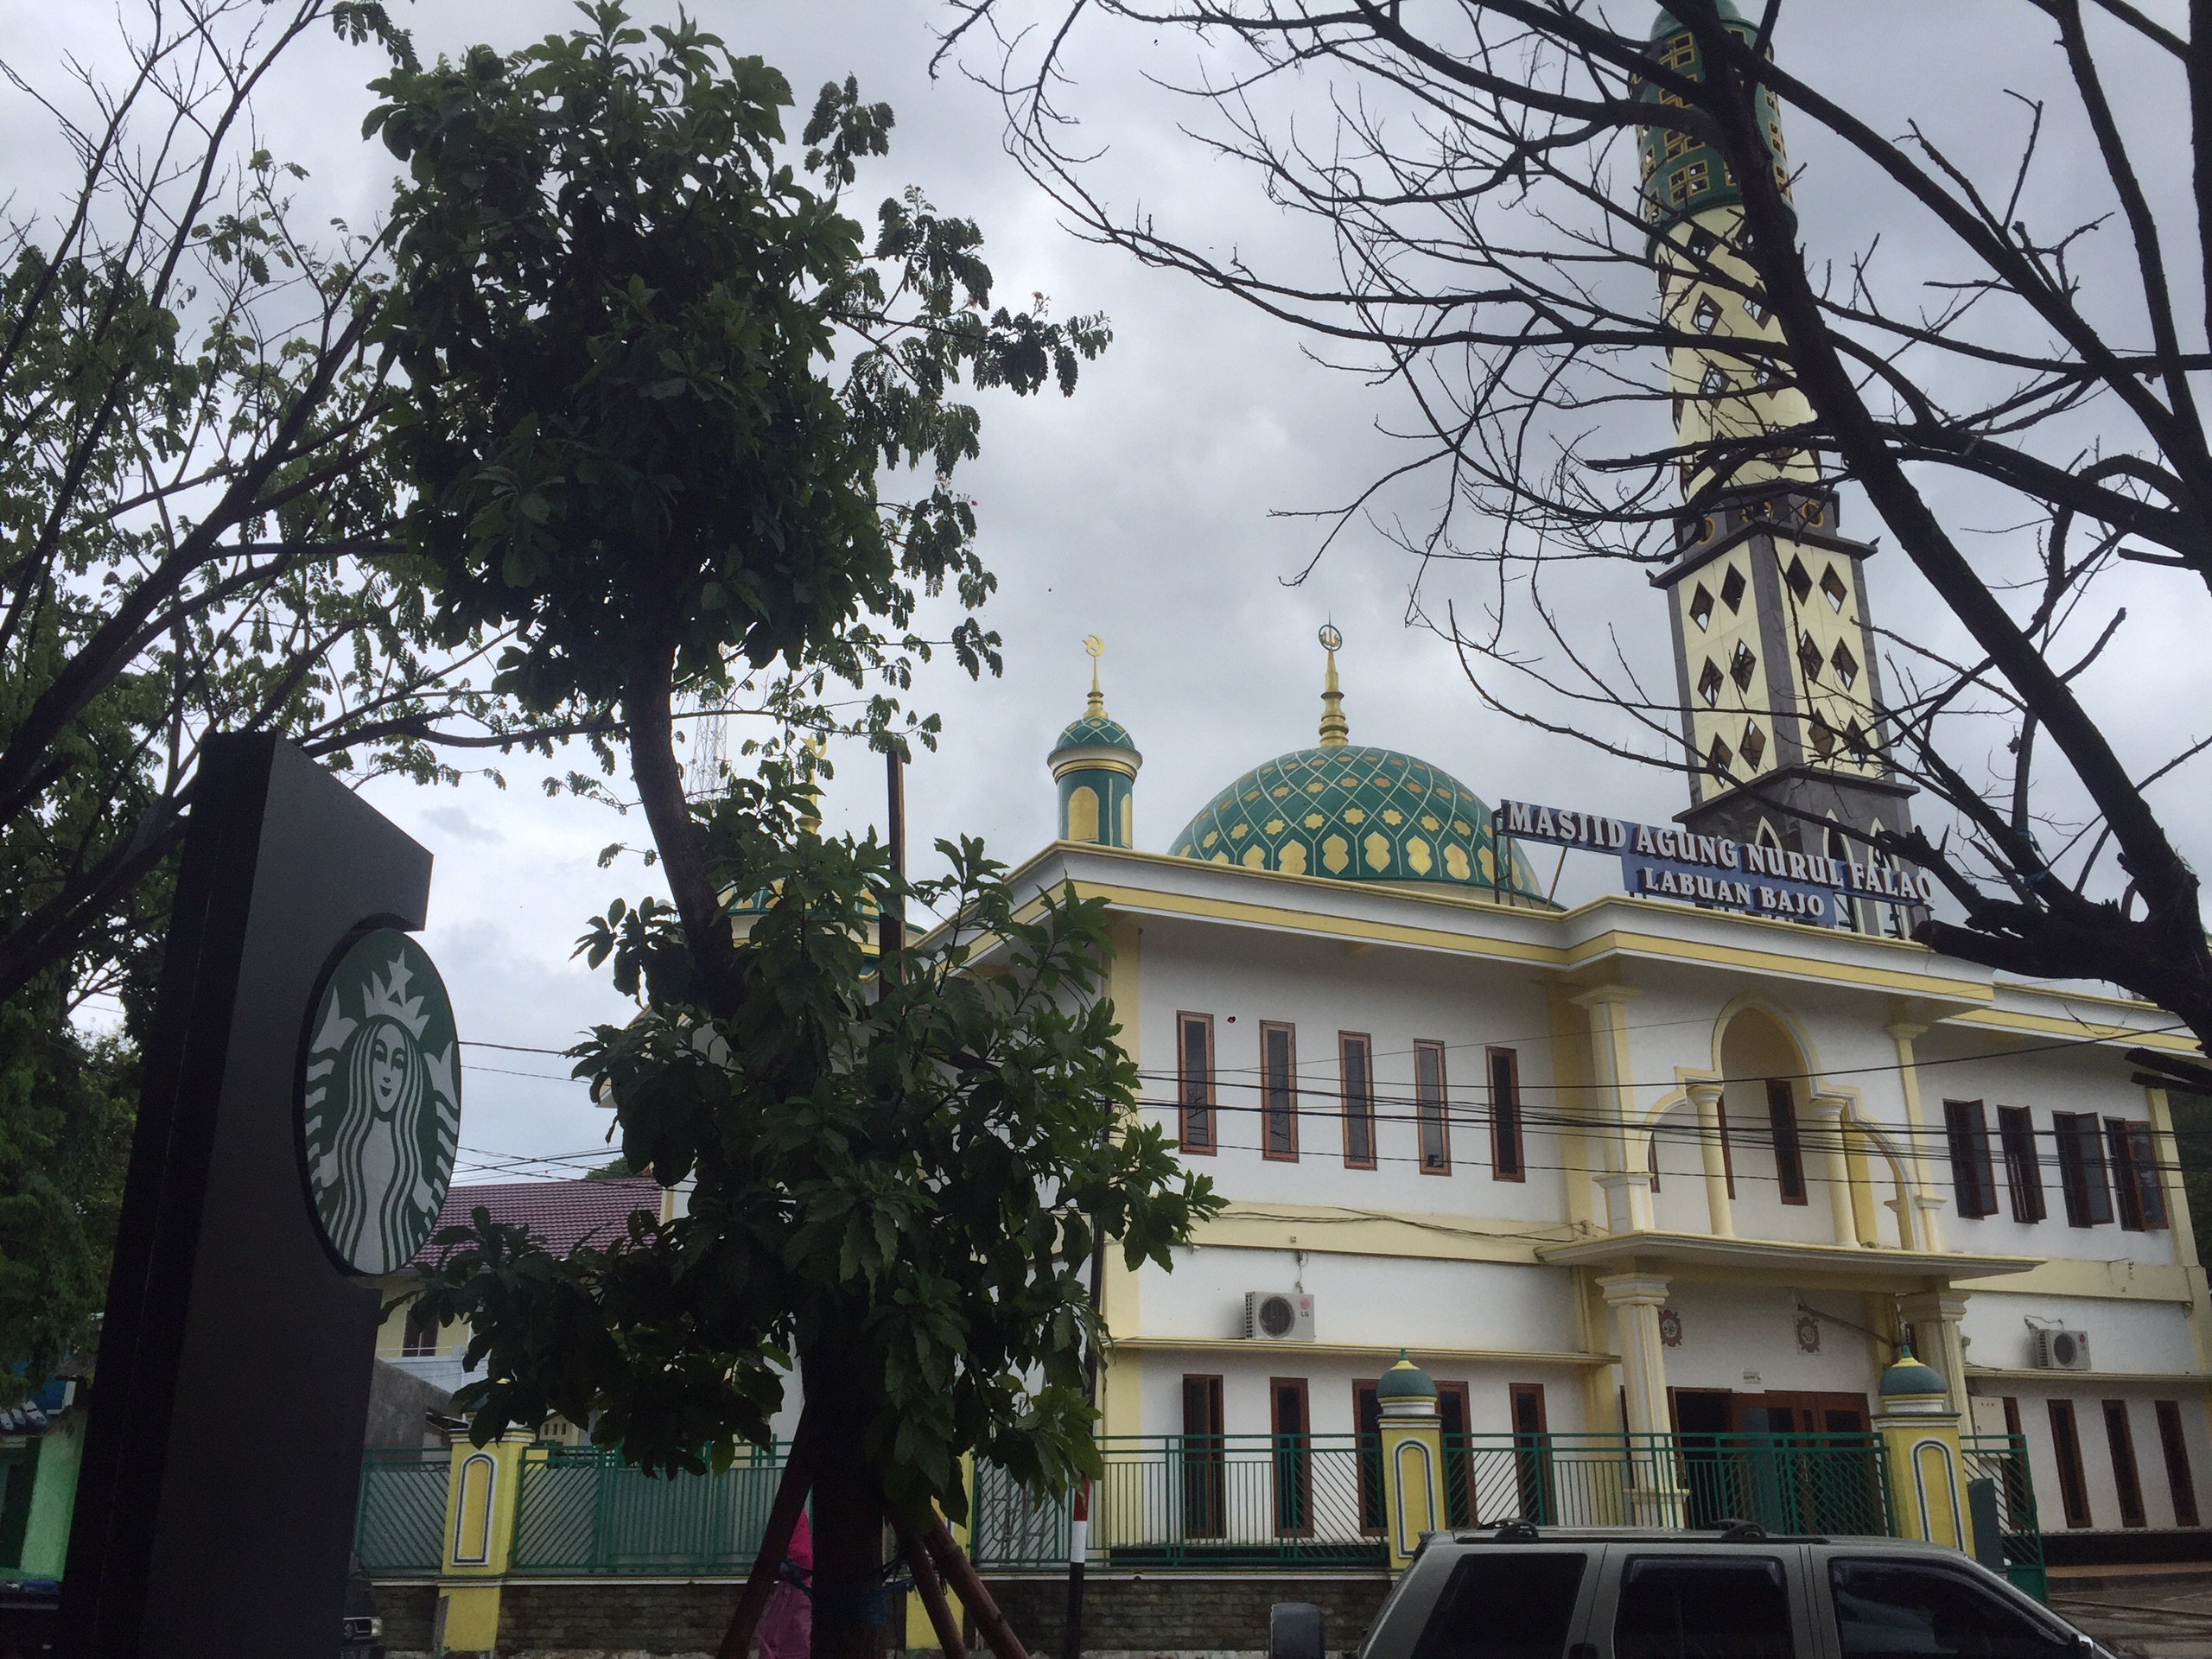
(2124, 1336)
(1330, 1379)
(1968, 1063)
(1728, 1331)
(2099, 1481)
(1244, 977)
(1380, 1301)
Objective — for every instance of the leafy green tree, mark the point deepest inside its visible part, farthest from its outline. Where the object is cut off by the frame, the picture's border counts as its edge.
(898, 1184)
(65, 1110)
(616, 310)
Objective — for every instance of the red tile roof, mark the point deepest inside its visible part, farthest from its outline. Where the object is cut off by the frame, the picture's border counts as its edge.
(561, 1214)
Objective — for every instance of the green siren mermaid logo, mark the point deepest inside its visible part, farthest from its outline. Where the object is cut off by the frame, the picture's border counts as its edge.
(380, 1101)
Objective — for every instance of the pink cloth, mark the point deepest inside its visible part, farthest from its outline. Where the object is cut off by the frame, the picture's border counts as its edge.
(787, 1627)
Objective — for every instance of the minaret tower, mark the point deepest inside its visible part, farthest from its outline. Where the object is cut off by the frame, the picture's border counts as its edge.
(1774, 651)
(1095, 763)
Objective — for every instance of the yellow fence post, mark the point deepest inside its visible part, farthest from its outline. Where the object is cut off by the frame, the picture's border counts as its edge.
(1920, 1444)
(1413, 1458)
(480, 1495)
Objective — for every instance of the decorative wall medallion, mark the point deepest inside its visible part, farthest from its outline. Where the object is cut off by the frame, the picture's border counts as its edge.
(380, 1101)
(1808, 1334)
(1670, 1328)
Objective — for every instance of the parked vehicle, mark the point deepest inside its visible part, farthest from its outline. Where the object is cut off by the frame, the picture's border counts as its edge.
(1524, 1592)
(363, 1637)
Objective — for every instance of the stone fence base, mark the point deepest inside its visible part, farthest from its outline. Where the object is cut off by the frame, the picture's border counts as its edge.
(1155, 1615)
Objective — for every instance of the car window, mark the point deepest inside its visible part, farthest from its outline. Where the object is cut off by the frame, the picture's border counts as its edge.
(1885, 1609)
(1505, 1605)
(1702, 1607)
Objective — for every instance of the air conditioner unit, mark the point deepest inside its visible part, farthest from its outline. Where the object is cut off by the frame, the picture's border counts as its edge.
(1278, 1316)
(2062, 1351)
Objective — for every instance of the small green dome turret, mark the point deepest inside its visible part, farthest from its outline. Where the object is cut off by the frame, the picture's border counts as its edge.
(1405, 1380)
(1907, 1377)
(1095, 763)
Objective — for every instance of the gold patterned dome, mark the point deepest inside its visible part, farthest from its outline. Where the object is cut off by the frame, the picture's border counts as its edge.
(1358, 814)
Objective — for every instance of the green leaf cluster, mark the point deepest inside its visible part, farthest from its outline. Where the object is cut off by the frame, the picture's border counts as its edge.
(897, 1168)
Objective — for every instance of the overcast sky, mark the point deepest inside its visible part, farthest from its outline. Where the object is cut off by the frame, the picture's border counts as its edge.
(1141, 510)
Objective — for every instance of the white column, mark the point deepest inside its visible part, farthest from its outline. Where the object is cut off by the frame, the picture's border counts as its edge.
(1628, 1203)
(1635, 1299)
(1934, 1316)
(1925, 1219)
(1719, 1208)
(1835, 1169)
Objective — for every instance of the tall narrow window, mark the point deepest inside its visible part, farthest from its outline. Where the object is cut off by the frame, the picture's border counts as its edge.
(2016, 1131)
(2127, 1484)
(1279, 1091)
(1728, 1152)
(1356, 1062)
(420, 1335)
(2137, 1195)
(1294, 1455)
(1452, 1416)
(1366, 1426)
(1194, 1045)
(2066, 1451)
(1507, 1158)
(1429, 1109)
(1972, 1179)
(2179, 1481)
(1205, 1488)
(1532, 1453)
(1789, 1156)
(2082, 1168)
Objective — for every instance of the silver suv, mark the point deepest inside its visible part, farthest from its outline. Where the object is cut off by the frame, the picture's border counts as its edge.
(1522, 1593)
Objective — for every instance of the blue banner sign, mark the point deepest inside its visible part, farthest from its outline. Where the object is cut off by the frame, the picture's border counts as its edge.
(1664, 861)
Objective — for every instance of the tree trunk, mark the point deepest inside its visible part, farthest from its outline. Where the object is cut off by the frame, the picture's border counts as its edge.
(848, 1512)
(775, 1542)
(647, 693)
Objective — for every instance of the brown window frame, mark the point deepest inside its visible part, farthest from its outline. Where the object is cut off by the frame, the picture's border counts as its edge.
(2181, 1480)
(1532, 1462)
(1966, 1136)
(1789, 1148)
(1288, 1153)
(1442, 1104)
(2066, 1453)
(1508, 1151)
(2126, 1473)
(1357, 1109)
(2082, 1175)
(2138, 1199)
(1460, 1505)
(1367, 1434)
(1292, 1451)
(1205, 1468)
(1728, 1152)
(1210, 1141)
(2016, 1137)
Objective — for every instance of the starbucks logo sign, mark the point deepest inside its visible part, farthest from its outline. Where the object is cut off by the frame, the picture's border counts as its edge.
(380, 1101)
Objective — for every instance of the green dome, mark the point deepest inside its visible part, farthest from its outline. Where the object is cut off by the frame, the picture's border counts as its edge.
(1358, 814)
(1097, 731)
(1908, 1375)
(1667, 23)
(1405, 1380)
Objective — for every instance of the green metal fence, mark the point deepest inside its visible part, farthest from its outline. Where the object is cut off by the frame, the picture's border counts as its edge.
(1785, 1482)
(1195, 1501)
(581, 1509)
(2002, 1459)
(400, 1523)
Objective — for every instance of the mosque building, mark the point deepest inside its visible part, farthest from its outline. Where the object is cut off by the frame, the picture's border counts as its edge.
(1701, 1156)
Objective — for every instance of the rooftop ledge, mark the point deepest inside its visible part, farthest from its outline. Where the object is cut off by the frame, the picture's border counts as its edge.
(1807, 1260)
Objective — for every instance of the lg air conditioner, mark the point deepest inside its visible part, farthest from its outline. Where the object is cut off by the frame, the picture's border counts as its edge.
(2062, 1351)
(1278, 1316)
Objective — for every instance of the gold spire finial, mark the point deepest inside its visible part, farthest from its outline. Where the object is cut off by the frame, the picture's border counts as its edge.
(1095, 708)
(1336, 734)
